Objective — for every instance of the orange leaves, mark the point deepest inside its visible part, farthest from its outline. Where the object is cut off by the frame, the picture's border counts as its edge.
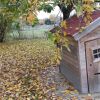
(30, 18)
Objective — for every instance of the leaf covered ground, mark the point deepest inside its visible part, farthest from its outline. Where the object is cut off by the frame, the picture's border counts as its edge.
(28, 71)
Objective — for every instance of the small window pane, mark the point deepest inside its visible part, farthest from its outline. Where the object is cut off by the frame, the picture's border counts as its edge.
(99, 55)
(98, 50)
(96, 56)
(94, 51)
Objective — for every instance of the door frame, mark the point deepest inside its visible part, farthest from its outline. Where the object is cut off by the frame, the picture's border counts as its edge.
(86, 63)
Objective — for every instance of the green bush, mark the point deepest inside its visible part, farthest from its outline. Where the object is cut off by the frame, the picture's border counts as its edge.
(35, 22)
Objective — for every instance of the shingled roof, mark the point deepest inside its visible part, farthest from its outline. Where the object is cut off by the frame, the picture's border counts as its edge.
(76, 22)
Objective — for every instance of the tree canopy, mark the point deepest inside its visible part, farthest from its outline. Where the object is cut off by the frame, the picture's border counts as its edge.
(10, 10)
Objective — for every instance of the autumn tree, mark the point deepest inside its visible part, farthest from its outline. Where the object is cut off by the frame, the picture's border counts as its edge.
(10, 10)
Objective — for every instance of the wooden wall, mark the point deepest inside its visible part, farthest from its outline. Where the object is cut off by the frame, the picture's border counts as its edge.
(73, 65)
(70, 64)
(82, 56)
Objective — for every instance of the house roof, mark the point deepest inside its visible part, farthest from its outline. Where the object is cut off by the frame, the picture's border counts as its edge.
(76, 22)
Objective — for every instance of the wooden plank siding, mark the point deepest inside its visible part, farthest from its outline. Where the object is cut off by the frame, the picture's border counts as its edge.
(93, 35)
(69, 66)
(72, 75)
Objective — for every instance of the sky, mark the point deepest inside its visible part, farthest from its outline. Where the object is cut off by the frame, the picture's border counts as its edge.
(56, 12)
(43, 15)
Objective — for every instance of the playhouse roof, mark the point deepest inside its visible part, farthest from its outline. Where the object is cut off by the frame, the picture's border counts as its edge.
(88, 29)
(76, 22)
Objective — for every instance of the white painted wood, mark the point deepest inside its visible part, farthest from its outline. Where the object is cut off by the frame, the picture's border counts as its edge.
(88, 29)
(83, 77)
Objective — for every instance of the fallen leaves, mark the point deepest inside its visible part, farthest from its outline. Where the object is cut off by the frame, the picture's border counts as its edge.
(28, 72)
(21, 62)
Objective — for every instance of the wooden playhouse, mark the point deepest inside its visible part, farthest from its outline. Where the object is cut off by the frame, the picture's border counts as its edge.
(81, 66)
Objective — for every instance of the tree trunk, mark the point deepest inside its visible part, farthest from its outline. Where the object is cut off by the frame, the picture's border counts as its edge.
(2, 36)
(2, 30)
(66, 10)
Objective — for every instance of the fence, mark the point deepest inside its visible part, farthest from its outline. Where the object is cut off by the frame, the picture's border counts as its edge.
(29, 32)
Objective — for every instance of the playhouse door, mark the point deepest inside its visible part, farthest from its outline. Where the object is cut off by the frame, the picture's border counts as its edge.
(93, 65)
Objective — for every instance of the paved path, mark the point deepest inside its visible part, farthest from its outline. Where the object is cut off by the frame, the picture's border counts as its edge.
(62, 88)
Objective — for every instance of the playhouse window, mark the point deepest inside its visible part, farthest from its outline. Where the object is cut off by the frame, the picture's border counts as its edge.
(96, 53)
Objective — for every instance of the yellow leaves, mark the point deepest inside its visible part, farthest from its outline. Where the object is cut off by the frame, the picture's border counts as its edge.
(81, 29)
(88, 9)
(64, 24)
(22, 62)
(66, 92)
(76, 91)
(58, 56)
(61, 40)
(66, 43)
(58, 62)
(88, 1)
(65, 33)
(15, 87)
(57, 37)
(10, 99)
(28, 99)
(87, 19)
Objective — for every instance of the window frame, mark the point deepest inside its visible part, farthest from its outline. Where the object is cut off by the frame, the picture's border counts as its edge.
(94, 53)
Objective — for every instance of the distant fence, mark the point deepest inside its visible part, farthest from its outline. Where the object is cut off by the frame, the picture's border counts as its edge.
(28, 32)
